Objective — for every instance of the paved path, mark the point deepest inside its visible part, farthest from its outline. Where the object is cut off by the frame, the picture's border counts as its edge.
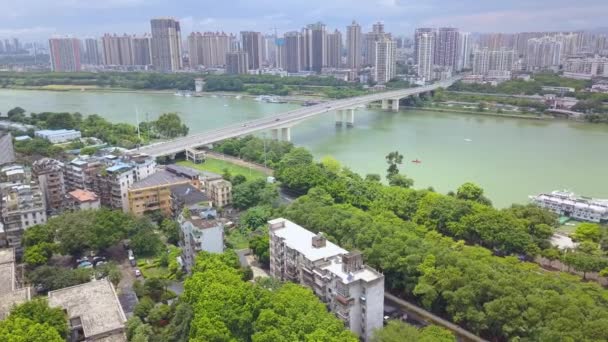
(409, 307)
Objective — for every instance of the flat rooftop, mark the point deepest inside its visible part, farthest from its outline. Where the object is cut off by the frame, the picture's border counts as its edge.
(7, 278)
(83, 195)
(182, 170)
(95, 303)
(366, 274)
(300, 239)
(160, 178)
(9, 295)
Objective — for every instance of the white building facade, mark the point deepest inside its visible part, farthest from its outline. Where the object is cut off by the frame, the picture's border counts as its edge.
(353, 291)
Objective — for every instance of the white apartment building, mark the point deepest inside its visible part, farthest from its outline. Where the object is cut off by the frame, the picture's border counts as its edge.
(353, 291)
(486, 61)
(585, 67)
(425, 54)
(568, 204)
(385, 64)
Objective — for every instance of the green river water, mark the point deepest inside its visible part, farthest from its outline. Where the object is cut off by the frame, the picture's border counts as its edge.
(510, 158)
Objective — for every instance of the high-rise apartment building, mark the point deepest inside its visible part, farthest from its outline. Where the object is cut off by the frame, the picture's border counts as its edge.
(292, 48)
(385, 63)
(318, 46)
(65, 54)
(237, 63)
(142, 50)
(464, 51)
(92, 54)
(369, 45)
(252, 44)
(417, 34)
(49, 173)
(334, 49)
(353, 46)
(351, 290)
(209, 49)
(269, 50)
(306, 49)
(166, 44)
(446, 47)
(117, 50)
(485, 61)
(542, 53)
(425, 48)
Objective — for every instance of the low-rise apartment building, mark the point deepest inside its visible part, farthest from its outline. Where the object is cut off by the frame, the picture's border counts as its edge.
(21, 205)
(220, 192)
(186, 195)
(201, 231)
(353, 291)
(58, 136)
(80, 172)
(82, 200)
(112, 185)
(93, 311)
(11, 290)
(154, 193)
(49, 173)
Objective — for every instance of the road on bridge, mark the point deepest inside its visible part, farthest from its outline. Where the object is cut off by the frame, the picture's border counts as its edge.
(286, 119)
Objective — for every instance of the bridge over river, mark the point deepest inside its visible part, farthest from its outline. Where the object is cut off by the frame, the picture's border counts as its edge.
(281, 124)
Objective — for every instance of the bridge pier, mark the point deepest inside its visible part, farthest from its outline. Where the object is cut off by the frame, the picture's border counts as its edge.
(385, 104)
(339, 117)
(275, 133)
(350, 117)
(395, 105)
(286, 133)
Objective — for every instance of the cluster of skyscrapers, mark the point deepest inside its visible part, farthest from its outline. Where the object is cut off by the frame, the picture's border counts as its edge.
(434, 53)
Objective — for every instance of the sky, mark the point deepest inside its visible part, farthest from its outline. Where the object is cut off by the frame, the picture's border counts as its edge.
(40, 19)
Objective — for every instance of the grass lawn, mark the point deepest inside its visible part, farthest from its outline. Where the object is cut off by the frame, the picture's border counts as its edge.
(67, 87)
(218, 166)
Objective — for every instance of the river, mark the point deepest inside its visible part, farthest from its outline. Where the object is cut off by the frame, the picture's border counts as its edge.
(510, 158)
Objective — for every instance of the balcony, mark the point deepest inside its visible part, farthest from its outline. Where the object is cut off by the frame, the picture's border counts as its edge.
(344, 300)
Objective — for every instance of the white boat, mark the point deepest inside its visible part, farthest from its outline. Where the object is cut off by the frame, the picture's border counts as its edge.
(238, 97)
(179, 93)
(468, 140)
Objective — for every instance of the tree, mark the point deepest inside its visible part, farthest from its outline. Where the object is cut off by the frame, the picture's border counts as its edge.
(400, 181)
(256, 217)
(260, 246)
(146, 243)
(171, 230)
(178, 329)
(49, 278)
(39, 254)
(373, 177)
(254, 193)
(143, 333)
(16, 114)
(23, 329)
(143, 308)
(226, 174)
(169, 125)
(159, 315)
(331, 164)
(132, 324)
(238, 179)
(37, 310)
(397, 331)
(472, 192)
(588, 232)
(154, 288)
(394, 159)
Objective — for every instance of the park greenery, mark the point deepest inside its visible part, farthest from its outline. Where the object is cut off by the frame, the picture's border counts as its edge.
(168, 125)
(228, 308)
(34, 321)
(263, 151)
(397, 331)
(252, 84)
(521, 87)
(454, 254)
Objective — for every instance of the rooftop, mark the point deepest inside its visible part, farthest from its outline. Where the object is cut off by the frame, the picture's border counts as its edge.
(118, 167)
(95, 303)
(9, 295)
(8, 300)
(366, 273)
(204, 223)
(159, 178)
(184, 171)
(188, 193)
(83, 195)
(300, 239)
(56, 131)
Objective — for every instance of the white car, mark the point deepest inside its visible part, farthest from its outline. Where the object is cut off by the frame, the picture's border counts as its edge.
(137, 273)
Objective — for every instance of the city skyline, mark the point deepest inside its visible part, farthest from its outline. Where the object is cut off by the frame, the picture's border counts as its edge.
(37, 20)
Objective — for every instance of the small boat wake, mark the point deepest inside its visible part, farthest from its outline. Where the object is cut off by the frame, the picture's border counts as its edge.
(468, 140)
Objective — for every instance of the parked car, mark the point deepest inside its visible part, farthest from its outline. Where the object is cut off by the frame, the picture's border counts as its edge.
(85, 264)
(137, 273)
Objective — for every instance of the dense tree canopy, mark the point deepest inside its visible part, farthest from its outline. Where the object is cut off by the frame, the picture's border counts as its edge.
(34, 321)
(228, 309)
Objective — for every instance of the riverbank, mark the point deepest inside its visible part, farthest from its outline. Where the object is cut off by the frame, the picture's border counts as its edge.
(471, 112)
(95, 89)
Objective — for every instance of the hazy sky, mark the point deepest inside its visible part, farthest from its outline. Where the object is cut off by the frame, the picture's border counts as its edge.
(38, 19)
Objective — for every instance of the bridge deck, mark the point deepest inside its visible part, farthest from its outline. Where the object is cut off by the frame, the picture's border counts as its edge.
(285, 119)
